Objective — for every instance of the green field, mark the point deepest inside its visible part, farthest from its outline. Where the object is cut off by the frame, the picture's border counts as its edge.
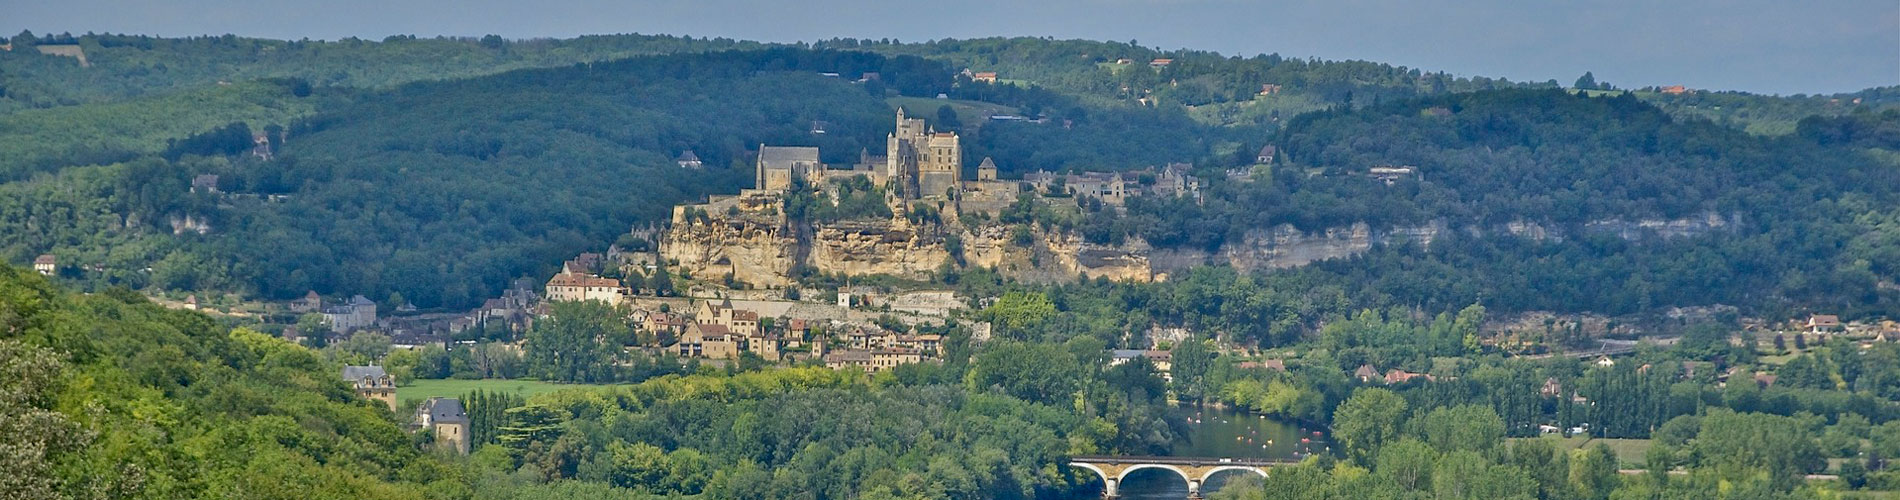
(970, 112)
(421, 389)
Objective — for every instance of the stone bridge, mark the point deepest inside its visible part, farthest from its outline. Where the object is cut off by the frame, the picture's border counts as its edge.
(1194, 470)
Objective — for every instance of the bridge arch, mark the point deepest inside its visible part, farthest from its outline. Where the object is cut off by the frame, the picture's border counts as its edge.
(1244, 468)
(1098, 470)
(1185, 476)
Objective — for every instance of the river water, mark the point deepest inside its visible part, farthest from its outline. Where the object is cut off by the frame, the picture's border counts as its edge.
(1223, 433)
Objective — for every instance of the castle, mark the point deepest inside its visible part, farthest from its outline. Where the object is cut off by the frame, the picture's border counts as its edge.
(919, 163)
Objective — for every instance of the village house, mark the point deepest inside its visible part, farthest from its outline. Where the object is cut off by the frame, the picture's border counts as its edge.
(309, 303)
(585, 263)
(851, 358)
(767, 347)
(1160, 63)
(448, 420)
(575, 287)
(1674, 90)
(1551, 388)
(1266, 155)
(371, 382)
(872, 361)
(1269, 89)
(689, 160)
(358, 312)
(983, 76)
(926, 343)
(708, 340)
(1397, 376)
(667, 323)
(46, 264)
(1367, 374)
(1823, 324)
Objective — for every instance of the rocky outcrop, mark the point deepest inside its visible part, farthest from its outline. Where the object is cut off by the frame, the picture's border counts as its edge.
(747, 237)
(860, 248)
(1286, 246)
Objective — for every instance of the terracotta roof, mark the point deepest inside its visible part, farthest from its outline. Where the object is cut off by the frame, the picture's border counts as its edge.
(46, 259)
(575, 279)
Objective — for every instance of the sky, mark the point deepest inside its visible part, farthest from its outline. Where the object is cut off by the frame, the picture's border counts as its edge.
(1762, 46)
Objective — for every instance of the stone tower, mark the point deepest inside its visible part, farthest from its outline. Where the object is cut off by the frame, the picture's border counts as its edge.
(921, 162)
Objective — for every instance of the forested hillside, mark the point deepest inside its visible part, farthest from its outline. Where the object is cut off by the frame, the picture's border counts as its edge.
(1228, 89)
(125, 66)
(110, 396)
(442, 191)
(445, 191)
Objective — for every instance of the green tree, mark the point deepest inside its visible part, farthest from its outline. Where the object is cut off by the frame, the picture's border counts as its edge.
(1593, 471)
(1191, 362)
(1367, 421)
(1586, 82)
(576, 342)
(1465, 427)
(1016, 314)
(1034, 371)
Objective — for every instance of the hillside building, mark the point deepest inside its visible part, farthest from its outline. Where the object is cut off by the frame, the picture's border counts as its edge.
(372, 382)
(448, 420)
(577, 286)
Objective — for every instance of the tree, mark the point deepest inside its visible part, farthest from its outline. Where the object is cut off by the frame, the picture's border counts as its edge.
(947, 119)
(1593, 471)
(1465, 427)
(1408, 463)
(38, 438)
(1191, 361)
(314, 329)
(1034, 371)
(1017, 313)
(572, 343)
(1586, 82)
(1367, 421)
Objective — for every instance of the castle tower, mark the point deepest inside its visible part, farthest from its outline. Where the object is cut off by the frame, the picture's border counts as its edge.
(921, 162)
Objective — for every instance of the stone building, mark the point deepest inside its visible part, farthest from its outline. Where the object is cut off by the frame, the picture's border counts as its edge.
(576, 286)
(371, 382)
(448, 420)
(921, 162)
(358, 312)
(778, 165)
(46, 264)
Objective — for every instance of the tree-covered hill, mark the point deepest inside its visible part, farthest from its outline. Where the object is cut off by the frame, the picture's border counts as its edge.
(110, 396)
(124, 66)
(444, 191)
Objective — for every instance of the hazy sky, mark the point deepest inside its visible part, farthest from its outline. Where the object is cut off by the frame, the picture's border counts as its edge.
(1769, 46)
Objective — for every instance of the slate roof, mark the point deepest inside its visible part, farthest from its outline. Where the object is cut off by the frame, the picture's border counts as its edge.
(446, 411)
(354, 373)
(785, 156)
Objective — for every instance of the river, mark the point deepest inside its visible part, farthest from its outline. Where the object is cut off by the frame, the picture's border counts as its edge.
(1222, 433)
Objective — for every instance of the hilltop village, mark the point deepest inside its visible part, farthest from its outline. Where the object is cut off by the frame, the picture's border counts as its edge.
(905, 213)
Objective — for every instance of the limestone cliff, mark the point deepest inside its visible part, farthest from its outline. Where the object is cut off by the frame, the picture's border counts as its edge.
(859, 248)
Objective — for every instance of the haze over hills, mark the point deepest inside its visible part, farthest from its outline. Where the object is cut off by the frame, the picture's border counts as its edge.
(951, 269)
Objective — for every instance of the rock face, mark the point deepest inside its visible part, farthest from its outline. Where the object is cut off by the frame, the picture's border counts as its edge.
(748, 237)
(1285, 246)
(745, 236)
(859, 248)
